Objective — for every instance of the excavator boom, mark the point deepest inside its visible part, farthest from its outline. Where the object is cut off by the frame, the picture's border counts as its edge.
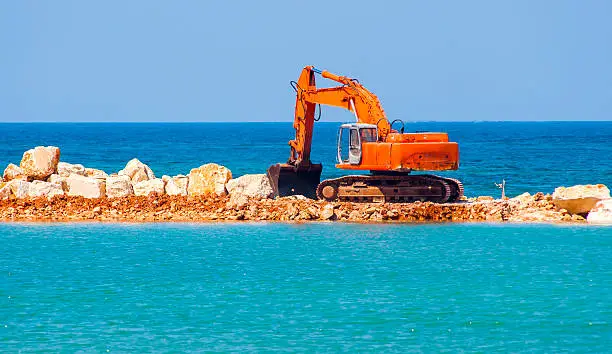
(351, 95)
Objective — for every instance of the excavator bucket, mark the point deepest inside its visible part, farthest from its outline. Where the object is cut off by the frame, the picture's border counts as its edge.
(290, 180)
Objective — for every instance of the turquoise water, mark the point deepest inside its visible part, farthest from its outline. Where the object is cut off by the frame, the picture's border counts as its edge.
(531, 157)
(312, 287)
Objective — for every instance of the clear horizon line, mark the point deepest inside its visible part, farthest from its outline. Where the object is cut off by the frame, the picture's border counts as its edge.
(270, 121)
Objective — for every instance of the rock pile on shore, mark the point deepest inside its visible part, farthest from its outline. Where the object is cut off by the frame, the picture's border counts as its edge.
(43, 188)
(41, 174)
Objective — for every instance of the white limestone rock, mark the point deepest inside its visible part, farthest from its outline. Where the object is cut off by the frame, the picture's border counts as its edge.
(137, 171)
(256, 185)
(57, 179)
(95, 173)
(327, 212)
(12, 172)
(601, 214)
(144, 188)
(579, 199)
(118, 186)
(87, 187)
(176, 185)
(65, 169)
(19, 188)
(41, 162)
(294, 197)
(39, 189)
(524, 198)
(210, 178)
(5, 191)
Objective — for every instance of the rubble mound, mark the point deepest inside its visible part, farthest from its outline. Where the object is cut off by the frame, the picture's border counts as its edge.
(44, 189)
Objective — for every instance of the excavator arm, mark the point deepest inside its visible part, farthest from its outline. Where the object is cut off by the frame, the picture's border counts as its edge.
(350, 95)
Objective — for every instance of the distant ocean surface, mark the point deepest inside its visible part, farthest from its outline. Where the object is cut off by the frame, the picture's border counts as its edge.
(316, 287)
(531, 157)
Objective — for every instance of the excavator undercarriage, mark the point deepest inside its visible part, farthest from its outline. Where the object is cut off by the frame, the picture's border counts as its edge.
(376, 188)
(391, 188)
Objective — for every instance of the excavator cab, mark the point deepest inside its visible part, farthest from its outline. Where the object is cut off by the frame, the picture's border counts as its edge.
(350, 138)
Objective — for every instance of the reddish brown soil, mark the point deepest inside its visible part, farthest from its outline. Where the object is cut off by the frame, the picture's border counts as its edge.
(214, 208)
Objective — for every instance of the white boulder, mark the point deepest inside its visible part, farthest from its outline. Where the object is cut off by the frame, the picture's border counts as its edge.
(118, 186)
(87, 187)
(257, 185)
(57, 179)
(580, 199)
(65, 169)
(145, 188)
(5, 191)
(95, 173)
(19, 188)
(12, 172)
(327, 212)
(44, 189)
(137, 171)
(210, 178)
(601, 213)
(176, 185)
(40, 162)
(524, 198)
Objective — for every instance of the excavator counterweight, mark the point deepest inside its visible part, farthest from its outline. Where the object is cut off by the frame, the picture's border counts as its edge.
(369, 144)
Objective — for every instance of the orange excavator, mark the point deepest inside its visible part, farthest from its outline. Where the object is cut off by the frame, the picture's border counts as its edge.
(369, 144)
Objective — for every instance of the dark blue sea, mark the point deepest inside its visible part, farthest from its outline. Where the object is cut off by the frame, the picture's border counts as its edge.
(316, 287)
(531, 157)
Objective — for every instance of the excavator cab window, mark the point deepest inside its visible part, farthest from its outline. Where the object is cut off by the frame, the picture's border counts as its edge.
(355, 147)
(355, 143)
(368, 135)
(343, 145)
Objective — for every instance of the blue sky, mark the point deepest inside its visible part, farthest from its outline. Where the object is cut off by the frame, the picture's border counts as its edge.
(233, 60)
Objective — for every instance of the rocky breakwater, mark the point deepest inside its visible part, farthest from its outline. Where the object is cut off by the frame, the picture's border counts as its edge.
(42, 188)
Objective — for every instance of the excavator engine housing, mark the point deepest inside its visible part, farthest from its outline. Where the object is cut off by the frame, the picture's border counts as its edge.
(359, 149)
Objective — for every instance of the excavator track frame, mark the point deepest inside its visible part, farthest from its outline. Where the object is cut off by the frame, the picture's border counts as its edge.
(390, 188)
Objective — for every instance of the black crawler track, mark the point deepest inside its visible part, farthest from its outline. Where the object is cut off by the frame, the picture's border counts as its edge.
(390, 188)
